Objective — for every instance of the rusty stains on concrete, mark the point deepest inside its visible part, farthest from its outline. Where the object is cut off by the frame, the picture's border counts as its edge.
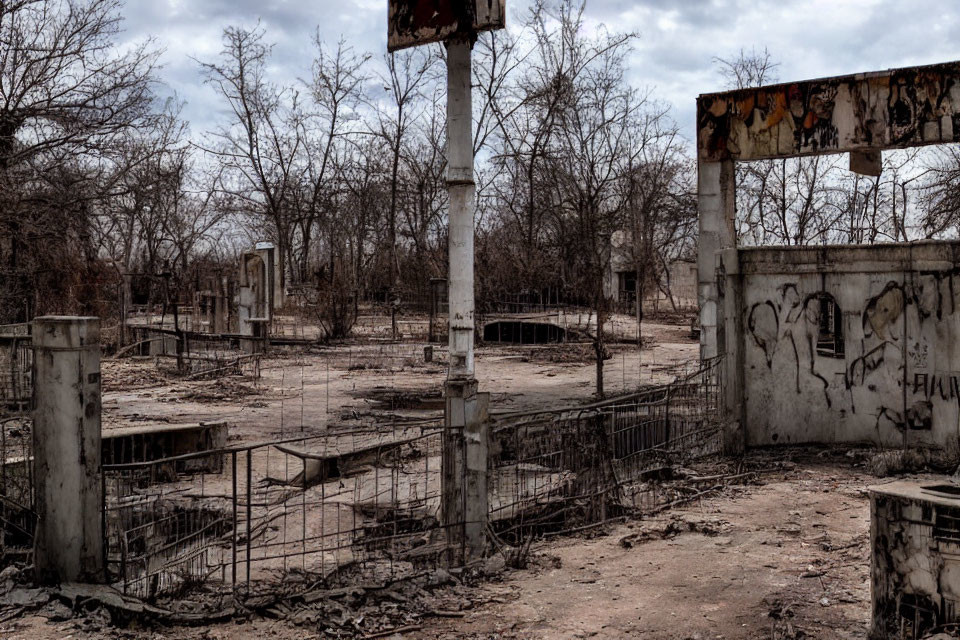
(890, 109)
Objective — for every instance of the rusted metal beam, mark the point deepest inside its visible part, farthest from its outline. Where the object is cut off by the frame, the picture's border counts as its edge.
(416, 22)
(892, 109)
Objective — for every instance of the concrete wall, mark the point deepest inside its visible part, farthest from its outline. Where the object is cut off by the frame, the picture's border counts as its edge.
(897, 381)
(915, 560)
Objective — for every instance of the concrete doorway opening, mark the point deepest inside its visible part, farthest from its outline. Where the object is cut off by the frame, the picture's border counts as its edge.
(520, 332)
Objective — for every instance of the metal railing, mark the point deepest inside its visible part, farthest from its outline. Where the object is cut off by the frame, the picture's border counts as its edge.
(17, 496)
(340, 507)
(365, 504)
(554, 470)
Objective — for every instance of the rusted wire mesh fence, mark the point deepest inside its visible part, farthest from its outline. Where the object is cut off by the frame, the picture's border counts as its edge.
(324, 510)
(17, 515)
(364, 505)
(563, 469)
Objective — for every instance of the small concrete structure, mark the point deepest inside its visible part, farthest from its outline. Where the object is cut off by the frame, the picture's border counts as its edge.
(257, 296)
(773, 313)
(915, 559)
(68, 544)
(214, 303)
(149, 442)
(679, 276)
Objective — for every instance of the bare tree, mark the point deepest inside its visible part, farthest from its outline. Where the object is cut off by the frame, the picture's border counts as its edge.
(661, 209)
(69, 97)
(407, 73)
(940, 195)
(259, 147)
(337, 90)
(747, 69)
(582, 82)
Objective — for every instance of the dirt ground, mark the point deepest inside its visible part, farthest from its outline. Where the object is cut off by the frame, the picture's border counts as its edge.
(333, 386)
(786, 559)
(783, 557)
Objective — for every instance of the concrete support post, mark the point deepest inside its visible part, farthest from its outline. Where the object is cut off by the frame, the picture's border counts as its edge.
(464, 489)
(462, 194)
(733, 361)
(126, 299)
(717, 208)
(464, 499)
(720, 290)
(68, 544)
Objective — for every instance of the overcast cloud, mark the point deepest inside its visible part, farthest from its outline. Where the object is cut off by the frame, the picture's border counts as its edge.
(674, 54)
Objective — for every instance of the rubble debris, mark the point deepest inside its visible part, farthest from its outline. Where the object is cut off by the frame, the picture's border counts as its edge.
(220, 390)
(916, 460)
(672, 527)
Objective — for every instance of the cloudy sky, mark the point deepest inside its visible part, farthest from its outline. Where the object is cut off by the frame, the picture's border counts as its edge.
(673, 55)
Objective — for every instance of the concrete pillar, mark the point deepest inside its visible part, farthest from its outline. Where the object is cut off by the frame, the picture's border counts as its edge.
(720, 289)
(464, 505)
(68, 544)
(126, 300)
(464, 495)
(462, 195)
(732, 371)
(717, 208)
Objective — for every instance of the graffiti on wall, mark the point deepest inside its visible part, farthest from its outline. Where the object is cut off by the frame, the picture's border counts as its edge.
(887, 369)
(791, 321)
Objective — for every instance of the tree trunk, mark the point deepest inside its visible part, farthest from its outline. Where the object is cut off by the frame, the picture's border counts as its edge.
(599, 346)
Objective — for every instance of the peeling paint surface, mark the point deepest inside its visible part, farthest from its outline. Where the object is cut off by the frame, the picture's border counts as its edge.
(416, 22)
(891, 109)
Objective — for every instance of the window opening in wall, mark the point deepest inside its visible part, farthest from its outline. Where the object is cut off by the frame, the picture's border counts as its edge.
(830, 334)
(627, 286)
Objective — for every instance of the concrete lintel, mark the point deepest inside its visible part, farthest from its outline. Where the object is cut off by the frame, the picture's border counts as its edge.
(869, 112)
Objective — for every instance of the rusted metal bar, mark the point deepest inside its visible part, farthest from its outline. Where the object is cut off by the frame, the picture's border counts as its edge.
(233, 551)
(249, 509)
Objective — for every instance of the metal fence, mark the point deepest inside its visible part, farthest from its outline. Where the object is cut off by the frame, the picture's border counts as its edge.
(326, 509)
(17, 515)
(16, 365)
(194, 354)
(555, 470)
(364, 505)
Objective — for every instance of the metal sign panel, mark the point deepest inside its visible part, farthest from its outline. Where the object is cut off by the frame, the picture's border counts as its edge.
(416, 22)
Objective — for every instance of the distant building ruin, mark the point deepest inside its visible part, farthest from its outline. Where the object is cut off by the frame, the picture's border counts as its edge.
(260, 293)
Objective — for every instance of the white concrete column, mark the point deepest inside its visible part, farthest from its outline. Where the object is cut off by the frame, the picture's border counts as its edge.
(717, 207)
(464, 492)
(462, 193)
(68, 544)
(719, 289)
(464, 502)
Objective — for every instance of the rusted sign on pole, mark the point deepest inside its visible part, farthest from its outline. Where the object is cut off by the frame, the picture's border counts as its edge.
(416, 22)
(464, 490)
